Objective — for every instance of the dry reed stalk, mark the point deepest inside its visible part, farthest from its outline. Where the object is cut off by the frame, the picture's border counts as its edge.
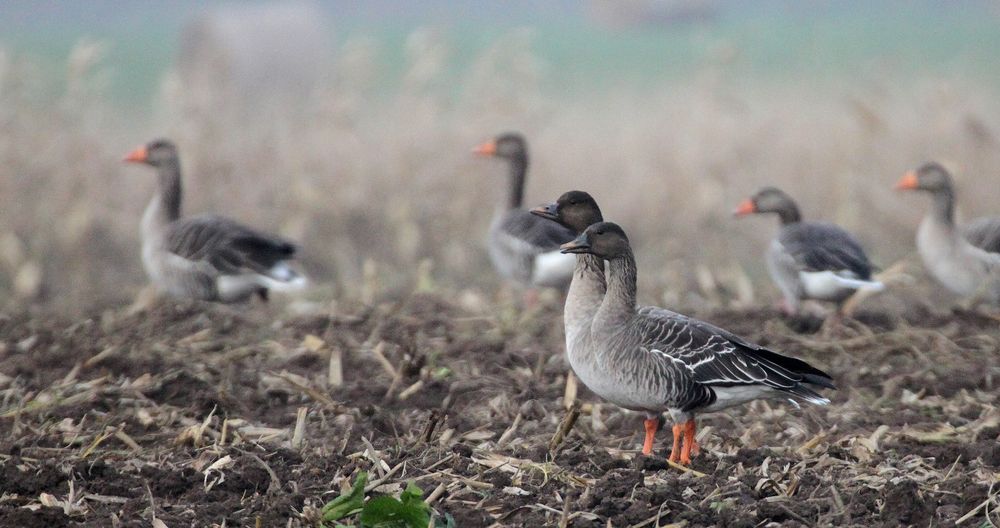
(335, 370)
(565, 426)
(300, 428)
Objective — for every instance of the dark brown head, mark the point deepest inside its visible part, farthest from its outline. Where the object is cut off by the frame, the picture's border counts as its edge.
(576, 210)
(770, 200)
(930, 177)
(156, 153)
(606, 240)
(510, 145)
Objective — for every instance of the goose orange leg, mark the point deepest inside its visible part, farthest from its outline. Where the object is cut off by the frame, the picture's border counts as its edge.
(690, 446)
(647, 446)
(676, 452)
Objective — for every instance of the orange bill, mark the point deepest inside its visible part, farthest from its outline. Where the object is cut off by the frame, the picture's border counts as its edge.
(486, 149)
(745, 207)
(139, 155)
(908, 182)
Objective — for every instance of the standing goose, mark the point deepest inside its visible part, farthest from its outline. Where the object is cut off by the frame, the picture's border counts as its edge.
(810, 260)
(577, 210)
(967, 263)
(205, 257)
(653, 360)
(524, 248)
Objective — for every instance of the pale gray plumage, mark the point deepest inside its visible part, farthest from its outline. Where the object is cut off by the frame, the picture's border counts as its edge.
(963, 267)
(522, 247)
(206, 257)
(654, 360)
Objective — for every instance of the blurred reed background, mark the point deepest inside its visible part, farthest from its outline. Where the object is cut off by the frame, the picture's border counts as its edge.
(349, 128)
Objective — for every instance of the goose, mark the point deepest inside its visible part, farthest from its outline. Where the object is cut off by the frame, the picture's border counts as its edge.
(967, 262)
(577, 210)
(810, 260)
(523, 247)
(205, 257)
(653, 360)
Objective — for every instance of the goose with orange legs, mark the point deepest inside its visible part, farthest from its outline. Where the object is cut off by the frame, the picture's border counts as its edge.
(653, 360)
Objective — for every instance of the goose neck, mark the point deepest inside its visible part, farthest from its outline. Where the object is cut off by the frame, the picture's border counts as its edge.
(518, 168)
(620, 299)
(943, 208)
(789, 213)
(165, 207)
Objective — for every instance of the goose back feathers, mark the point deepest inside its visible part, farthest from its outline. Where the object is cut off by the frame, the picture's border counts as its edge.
(984, 233)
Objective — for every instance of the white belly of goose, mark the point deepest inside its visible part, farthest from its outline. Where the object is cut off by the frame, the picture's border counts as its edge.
(833, 285)
(553, 269)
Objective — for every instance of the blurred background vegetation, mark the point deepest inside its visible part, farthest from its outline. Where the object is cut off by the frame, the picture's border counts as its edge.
(348, 126)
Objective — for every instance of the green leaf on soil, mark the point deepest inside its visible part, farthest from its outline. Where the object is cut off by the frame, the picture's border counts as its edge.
(409, 511)
(349, 503)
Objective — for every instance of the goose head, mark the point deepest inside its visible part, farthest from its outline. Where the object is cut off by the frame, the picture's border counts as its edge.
(606, 240)
(156, 153)
(766, 200)
(931, 177)
(576, 210)
(510, 145)
(770, 200)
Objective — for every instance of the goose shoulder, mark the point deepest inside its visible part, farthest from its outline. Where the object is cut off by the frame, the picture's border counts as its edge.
(821, 246)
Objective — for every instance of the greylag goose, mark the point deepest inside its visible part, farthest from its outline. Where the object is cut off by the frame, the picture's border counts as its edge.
(205, 257)
(967, 263)
(810, 260)
(653, 360)
(524, 248)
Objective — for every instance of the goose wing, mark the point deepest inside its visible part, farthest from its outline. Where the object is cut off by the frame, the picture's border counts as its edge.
(984, 233)
(230, 247)
(819, 246)
(540, 234)
(716, 357)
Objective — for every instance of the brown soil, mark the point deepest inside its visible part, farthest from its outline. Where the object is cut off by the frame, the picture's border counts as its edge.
(187, 412)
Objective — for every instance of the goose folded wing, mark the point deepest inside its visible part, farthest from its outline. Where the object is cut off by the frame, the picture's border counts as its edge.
(825, 247)
(228, 246)
(720, 358)
(541, 234)
(984, 233)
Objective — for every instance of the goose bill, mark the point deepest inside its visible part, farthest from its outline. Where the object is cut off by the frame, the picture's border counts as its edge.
(745, 207)
(549, 211)
(908, 182)
(486, 149)
(580, 245)
(139, 155)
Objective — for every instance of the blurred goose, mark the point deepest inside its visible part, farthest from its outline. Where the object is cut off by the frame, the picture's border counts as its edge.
(810, 260)
(577, 210)
(205, 257)
(523, 247)
(966, 262)
(653, 360)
